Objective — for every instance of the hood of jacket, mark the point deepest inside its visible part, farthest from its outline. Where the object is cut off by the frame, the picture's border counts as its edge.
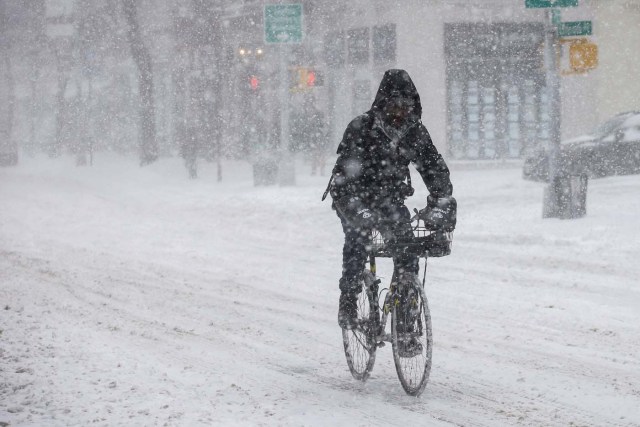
(397, 84)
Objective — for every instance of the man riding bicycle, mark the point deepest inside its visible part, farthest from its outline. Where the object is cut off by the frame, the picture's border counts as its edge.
(371, 180)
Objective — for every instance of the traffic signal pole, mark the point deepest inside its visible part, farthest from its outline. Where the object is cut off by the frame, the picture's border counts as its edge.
(286, 169)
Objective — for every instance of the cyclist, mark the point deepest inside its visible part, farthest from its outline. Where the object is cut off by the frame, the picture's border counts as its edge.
(370, 182)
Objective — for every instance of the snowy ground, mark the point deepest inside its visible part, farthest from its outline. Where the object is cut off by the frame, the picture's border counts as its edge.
(134, 296)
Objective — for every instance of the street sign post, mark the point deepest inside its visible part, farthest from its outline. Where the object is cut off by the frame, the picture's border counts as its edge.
(554, 198)
(552, 195)
(550, 3)
(574, 28)
(283, 26)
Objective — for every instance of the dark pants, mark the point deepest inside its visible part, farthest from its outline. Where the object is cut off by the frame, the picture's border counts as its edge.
(392, 222)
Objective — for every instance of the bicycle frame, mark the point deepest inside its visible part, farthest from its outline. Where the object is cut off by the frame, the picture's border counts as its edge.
(391, 298)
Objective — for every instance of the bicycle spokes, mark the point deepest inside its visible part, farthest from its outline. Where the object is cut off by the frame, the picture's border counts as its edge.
(359, 343)
(411, 339)
(405, 303)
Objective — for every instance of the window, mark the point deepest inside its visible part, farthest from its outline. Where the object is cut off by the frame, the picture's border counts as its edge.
(384, 44)
(334, 48)
(358, 46)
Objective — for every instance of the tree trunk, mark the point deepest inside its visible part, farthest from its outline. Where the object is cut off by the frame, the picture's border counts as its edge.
(8, 146)
(221, 75)
(142, 58)
(61, 115)
(212, 46)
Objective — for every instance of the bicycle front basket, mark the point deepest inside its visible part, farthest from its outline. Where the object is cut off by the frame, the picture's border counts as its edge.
(423, 243)
(435, 243)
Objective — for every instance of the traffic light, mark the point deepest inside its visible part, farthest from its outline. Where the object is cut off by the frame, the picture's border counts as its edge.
(311, 78)
(314, 78)
(304, 78)
(254, 82)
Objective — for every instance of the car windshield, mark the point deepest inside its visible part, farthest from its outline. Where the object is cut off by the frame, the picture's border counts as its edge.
(607, 127)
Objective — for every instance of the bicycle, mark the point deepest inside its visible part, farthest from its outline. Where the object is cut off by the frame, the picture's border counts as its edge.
(405, 303)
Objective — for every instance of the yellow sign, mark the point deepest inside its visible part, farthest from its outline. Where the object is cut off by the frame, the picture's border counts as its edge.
(582, 56)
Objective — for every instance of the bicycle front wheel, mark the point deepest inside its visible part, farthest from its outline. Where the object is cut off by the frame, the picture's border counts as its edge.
(360, 343)
(411, 338)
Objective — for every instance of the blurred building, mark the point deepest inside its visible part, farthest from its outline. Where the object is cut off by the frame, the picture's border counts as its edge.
(479, 68)
(478, 65)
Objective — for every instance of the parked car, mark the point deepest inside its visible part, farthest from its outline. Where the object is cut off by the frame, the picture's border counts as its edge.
(613, 148)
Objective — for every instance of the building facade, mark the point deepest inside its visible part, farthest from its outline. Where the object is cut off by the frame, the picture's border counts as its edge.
(479, 67)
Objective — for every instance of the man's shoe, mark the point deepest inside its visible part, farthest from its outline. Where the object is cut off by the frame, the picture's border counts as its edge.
(348, 310)
(409, 348)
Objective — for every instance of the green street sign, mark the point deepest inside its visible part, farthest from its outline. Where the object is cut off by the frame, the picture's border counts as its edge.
(575, 28)
(550, 3)
(283, 23)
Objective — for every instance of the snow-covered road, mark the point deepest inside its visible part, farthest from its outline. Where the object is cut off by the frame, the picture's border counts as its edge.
(133, 296)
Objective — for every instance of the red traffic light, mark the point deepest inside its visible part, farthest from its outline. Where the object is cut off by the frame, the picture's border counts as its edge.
(254, 82)
(314, 78)
(311, 78)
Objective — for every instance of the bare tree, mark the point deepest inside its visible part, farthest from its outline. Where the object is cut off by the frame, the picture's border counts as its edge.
(142, 58)
(60, 112)
(8, 148)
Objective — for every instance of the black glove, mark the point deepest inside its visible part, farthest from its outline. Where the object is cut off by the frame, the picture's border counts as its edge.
(440, 213)
(355, 212)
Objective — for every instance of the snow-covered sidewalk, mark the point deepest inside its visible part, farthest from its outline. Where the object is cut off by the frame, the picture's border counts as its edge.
(134, 296)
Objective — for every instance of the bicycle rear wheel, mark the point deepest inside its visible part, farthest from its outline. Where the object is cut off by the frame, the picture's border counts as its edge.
(411, 339)
(360, 343)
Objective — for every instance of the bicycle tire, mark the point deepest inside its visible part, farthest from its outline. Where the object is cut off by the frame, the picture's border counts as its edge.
(413, 372)
(360, 343)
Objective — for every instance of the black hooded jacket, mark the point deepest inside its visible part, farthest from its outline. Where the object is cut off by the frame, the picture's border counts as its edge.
(373, 158)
